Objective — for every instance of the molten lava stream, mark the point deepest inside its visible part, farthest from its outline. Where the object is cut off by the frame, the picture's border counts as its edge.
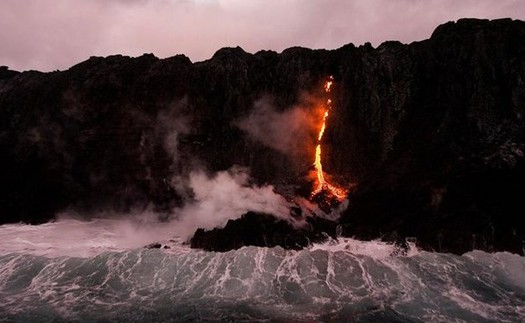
(322, 184)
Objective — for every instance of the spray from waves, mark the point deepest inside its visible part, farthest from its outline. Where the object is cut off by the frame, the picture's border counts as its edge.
(80, 238)
(340, 280)
(214, 200)
(224, 196)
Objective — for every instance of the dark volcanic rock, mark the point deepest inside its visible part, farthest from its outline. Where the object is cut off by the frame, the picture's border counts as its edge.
(263, 230)
(448, 140)
(154, 245)
(433, 132)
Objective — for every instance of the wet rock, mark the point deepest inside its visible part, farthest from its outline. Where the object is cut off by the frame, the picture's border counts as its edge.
(263, 230)
(157, 245)
(154, 245)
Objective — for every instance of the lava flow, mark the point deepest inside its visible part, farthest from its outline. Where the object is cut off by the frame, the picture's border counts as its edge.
(322, 184)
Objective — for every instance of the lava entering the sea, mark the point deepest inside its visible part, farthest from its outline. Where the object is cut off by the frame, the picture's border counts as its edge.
(322, 185)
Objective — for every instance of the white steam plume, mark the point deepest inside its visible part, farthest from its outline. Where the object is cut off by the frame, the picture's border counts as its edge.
(287, 131)
(171, 123)
(224, 196)
(216, 199)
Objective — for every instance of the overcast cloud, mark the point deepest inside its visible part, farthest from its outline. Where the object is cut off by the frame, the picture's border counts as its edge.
(48, 35)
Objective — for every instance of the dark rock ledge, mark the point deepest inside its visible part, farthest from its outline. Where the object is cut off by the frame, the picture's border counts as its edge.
(264, 230)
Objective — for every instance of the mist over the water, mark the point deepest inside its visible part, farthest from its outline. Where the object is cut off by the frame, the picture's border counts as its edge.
(210, 202)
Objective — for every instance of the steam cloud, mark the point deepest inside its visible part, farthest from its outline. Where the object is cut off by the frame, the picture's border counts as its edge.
(211, 200)
(223, 196)
(171, 123)
(216, 199)
(288, 132)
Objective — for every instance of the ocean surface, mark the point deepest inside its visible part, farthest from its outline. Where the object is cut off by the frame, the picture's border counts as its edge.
(72, 270)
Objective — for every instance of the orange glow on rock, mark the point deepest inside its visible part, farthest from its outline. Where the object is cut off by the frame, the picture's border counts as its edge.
(322, 184)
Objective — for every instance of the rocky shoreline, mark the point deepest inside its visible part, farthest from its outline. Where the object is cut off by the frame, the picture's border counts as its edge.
(432, 133)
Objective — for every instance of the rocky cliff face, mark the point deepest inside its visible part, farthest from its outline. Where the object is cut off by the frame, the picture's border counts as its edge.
(432, 132)
(445, 129)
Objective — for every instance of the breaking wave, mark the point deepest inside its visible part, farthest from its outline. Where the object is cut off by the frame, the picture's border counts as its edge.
(340, 280)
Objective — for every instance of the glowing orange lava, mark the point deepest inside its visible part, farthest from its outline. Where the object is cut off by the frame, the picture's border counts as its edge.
(322, 183)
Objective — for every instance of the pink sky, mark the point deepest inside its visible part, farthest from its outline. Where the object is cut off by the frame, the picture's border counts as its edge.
(47, 35)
